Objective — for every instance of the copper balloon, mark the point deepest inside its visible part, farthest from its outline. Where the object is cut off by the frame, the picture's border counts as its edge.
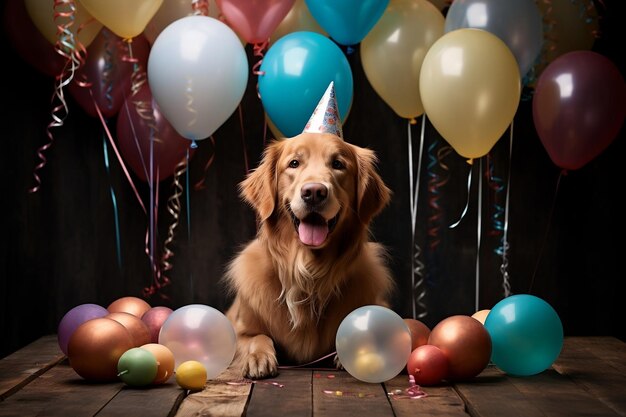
(95, 348)
(419, 333)
(133, 305)
(154, 319)
(137, 328)
(465, 342)
(428, 365)
(165, 361)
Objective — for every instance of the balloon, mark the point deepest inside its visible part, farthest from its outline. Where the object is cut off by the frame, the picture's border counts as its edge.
(172, 10)
(481, 315)
(254, 20)
(428, 365)
(578, 107)
(347, 21)
(191, 375)
(517, 22)
(201, 333)
(198, 73)
(297, 70)
(298, 19)
(154, 319)
(126, 19)
(108, 72)
(137, 328)
(29, 43)
(95, 348)
(137, 367)
(466, 344)
(419, 333)
(373, 343)
(42, 13)
(165, 362)
(74, 318)
(133, 305)
(393, 52)
(527, 334)
(135, 134)
(470, 89)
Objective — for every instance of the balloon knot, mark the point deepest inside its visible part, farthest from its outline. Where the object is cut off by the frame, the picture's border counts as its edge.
(193, 145)
(470, 161)
(413, 121)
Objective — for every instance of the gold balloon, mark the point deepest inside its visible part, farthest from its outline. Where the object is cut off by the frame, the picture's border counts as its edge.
(481, 315)
(165, 361)
(392, 53)
(133, 305)
(298, 19)
(470, 88)
(137, 328)
(95, 348)
(125, 18)
(419, 333)
(42, 14)
(465, 342)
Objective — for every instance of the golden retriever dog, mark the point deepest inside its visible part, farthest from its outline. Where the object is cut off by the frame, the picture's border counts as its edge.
(312, 261)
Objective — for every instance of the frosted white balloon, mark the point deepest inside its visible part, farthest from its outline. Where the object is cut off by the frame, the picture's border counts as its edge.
(373, 343)
(201, 333)
(198, 73)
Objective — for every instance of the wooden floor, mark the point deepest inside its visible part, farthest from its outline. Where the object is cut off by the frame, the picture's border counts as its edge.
(588, 379)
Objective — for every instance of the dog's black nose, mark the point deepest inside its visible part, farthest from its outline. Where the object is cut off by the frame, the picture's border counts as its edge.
(314, 192)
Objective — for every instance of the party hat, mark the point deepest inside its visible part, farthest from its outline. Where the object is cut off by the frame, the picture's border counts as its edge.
(325, 117)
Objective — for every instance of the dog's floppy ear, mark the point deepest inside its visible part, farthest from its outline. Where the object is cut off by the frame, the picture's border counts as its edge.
(372, 193)
(259, 188)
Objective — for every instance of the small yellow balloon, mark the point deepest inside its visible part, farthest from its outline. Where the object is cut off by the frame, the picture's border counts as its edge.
(191, 375)
(481, 315)
(369, 364)
(126, 19)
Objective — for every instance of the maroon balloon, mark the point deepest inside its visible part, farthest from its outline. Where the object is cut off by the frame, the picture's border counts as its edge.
(108, 70)
(134, 135)
(28, 41)
(154, 319)
(578, 107)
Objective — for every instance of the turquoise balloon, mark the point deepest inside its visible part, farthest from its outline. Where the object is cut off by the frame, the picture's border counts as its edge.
(137, 367)
(526, 334)
(295, 73)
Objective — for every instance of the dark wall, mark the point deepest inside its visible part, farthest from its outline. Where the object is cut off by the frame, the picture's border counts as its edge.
(58, 247)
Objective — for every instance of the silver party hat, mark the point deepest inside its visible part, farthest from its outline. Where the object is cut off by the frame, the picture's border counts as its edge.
(325, 117)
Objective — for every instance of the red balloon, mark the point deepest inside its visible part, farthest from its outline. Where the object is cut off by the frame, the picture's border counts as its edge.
(255, 21)
(428, 365)
(133, 305)
(108, 70)
(578, 107)
(134, 135)
(465, 342)
(154, 319)
(419, 333)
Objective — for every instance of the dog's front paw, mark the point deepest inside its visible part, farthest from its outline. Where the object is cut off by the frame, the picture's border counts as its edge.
(260, 365)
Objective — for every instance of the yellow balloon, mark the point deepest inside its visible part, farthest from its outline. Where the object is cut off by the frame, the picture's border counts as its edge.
(392, 53)
(299, 18)
(83, 26)
(191, 375)
(481, 315)
(125, 18)
(470, 88)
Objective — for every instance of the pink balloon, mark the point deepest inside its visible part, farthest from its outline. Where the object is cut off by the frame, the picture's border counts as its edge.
(578, 107)
(133, 135)
(28, 41)
(109, 70)
(255, 20)
(154, 319)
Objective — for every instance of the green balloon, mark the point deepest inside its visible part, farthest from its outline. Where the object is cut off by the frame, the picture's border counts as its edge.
(137, 367)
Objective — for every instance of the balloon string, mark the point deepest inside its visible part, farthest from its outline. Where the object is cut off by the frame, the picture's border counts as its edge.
(258, 50)
(187, 197)
(435, 182)
(114, 202)
(200, 7)
(478, 233)
(200, 184)
(545, 237)
(417, 267)
(243, 141)
(309, 363)
(107, 78)
(469, 186)
(504, 267)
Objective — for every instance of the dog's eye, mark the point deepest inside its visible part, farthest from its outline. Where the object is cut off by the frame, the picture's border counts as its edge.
(294, 163)
(337, 164)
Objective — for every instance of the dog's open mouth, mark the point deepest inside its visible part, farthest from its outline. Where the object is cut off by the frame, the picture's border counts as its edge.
(314, 229)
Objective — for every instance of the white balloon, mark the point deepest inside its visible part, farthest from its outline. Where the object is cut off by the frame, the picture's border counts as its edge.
(373, 343)
(201, 333)
(198, 73)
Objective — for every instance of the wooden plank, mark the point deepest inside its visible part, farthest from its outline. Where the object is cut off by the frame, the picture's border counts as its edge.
(23, 366)
(154, 401)
(337, 393)
(441, 400)
(226, 396)
(289, 394)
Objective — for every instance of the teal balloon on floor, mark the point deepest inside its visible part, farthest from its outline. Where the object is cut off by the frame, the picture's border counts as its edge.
(526, 334)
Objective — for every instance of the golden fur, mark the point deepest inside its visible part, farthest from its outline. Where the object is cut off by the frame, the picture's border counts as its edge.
(292, 295)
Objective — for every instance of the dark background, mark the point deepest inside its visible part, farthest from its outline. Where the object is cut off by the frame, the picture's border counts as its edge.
(58, 246)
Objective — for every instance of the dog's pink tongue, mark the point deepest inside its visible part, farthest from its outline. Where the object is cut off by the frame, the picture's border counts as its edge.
(312, 234)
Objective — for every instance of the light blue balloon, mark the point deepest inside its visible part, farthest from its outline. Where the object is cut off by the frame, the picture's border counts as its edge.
(518, 23)
(526, 334)
(296, 71)
(347, 21)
